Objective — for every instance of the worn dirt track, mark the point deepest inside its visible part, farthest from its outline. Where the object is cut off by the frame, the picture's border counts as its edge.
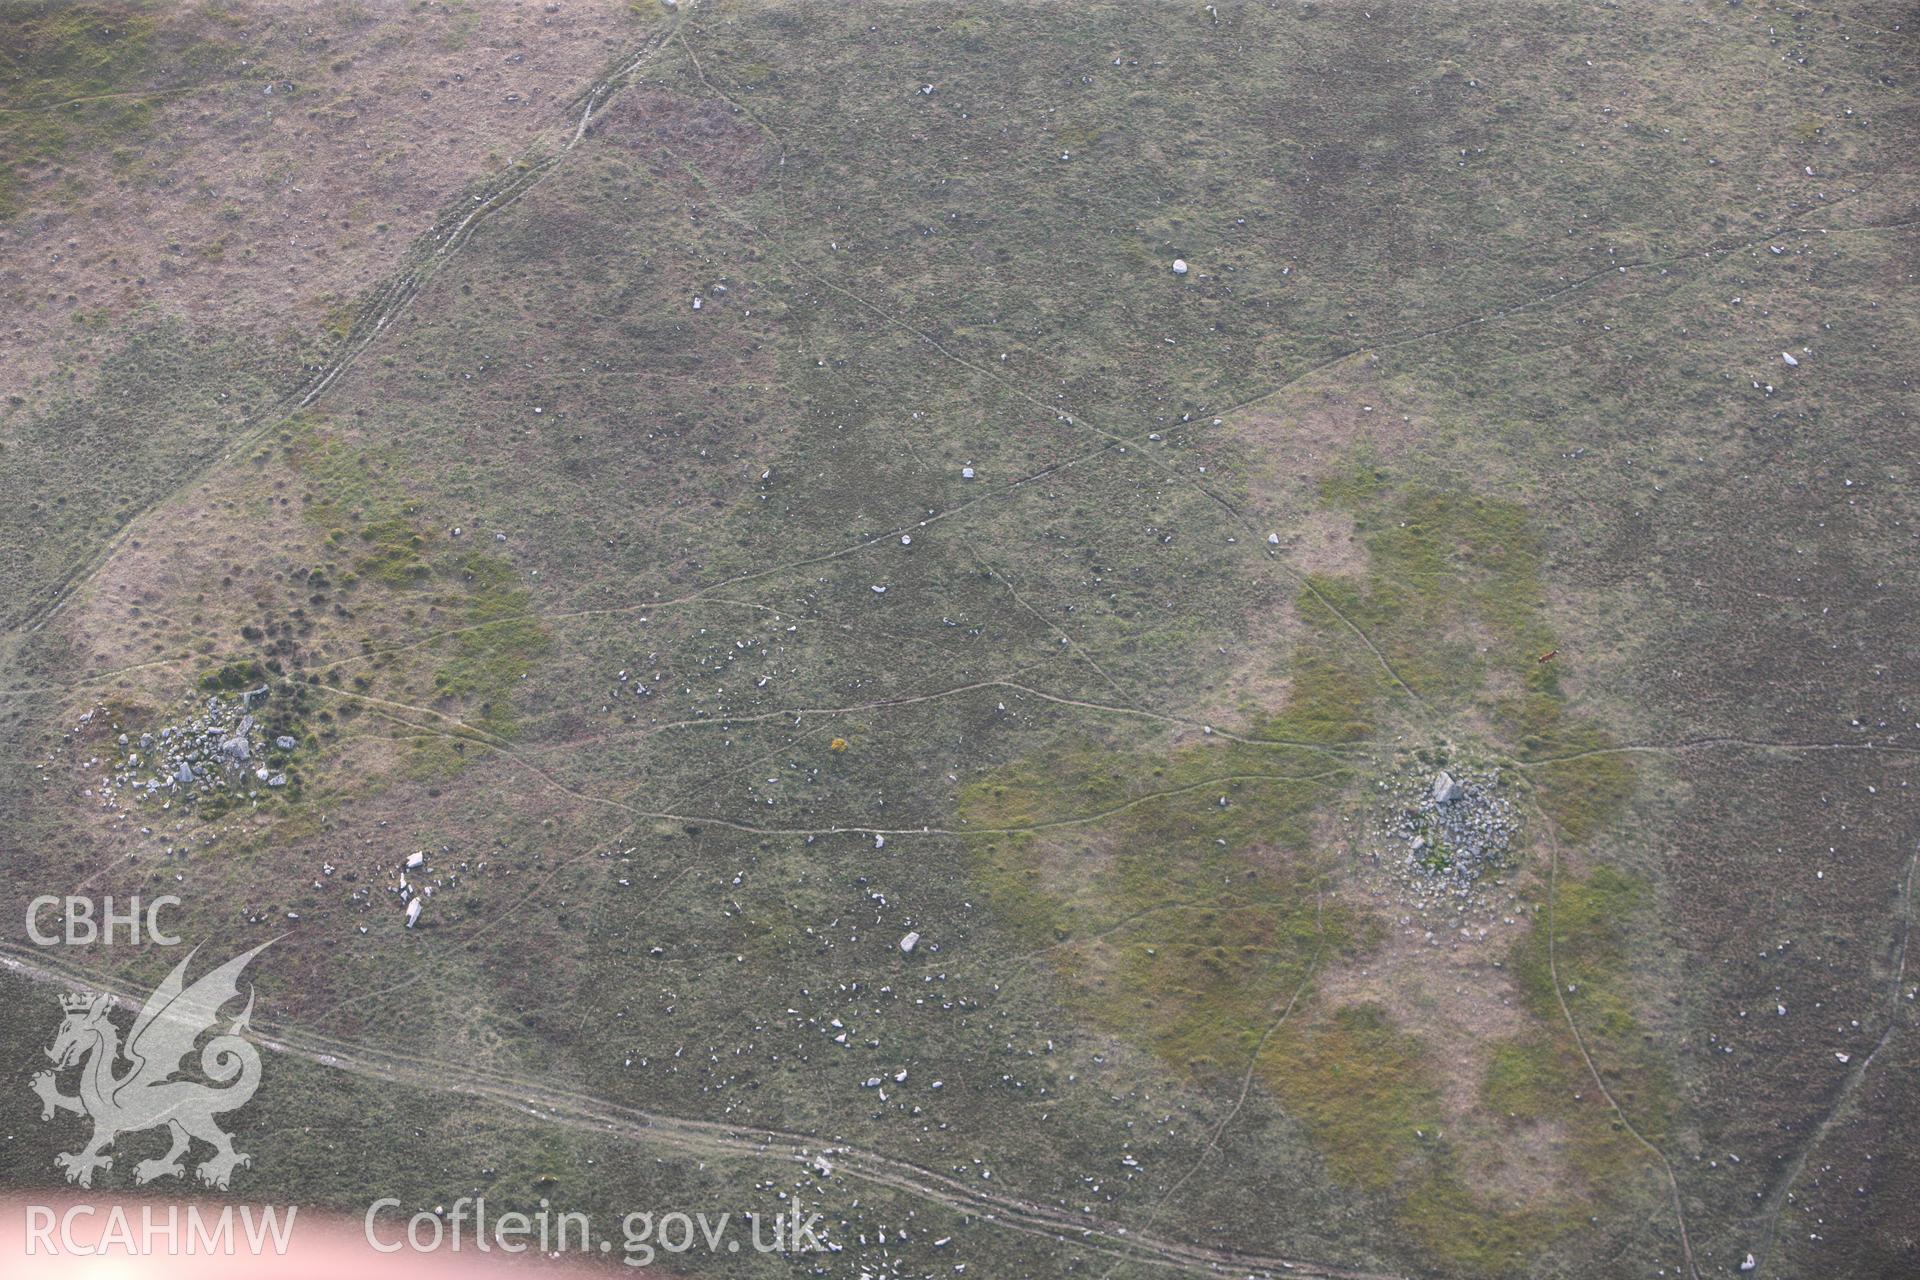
(552, 1104)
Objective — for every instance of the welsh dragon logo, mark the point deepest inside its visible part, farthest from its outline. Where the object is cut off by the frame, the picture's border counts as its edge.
(147, 1094)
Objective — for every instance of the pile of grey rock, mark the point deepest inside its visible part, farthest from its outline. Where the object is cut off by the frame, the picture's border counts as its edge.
(1458, 828)
(219, 747)
(1439, 841)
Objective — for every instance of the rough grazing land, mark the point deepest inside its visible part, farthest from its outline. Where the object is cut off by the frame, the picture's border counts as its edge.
(908, 701)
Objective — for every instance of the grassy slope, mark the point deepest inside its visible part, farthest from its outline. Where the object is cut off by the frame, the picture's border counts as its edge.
(1422, 212)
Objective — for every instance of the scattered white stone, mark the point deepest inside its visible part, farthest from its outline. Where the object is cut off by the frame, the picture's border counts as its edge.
(1788, 357)
(1179, 266)
(907, 944)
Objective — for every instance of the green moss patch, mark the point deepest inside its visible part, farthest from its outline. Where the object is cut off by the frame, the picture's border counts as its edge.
(78, 78)
(1591, 923)
(500, 644)
(1452, 598)
(1363, 1086)
(1179, 891)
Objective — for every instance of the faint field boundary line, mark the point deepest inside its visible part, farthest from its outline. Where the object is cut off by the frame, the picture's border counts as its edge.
(1115, 441)
(1590, 1064)
(1707, 744)
(1253, 1062)
(1372, 346)
(423, 260)
(1387, 342)
(550, 1104)
(203, 86)
(798, 713)
(458, 727)
(482, 738)
(1776, 1197)
(1580, 1043)
(1079, 651)
(407, 286)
